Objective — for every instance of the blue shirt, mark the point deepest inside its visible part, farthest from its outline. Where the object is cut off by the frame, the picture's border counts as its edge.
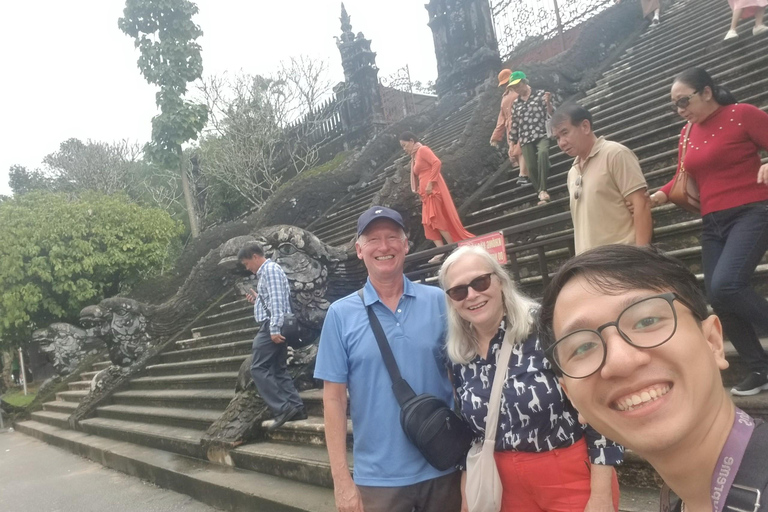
(348, 353)
(274, 296)
(535, 414)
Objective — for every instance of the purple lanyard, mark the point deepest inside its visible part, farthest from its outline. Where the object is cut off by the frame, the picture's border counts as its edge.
(730, 458)
(727, 463)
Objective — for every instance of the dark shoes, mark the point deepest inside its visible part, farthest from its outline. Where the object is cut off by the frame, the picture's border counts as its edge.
(523, 180)
(289, 415)
(752, 385)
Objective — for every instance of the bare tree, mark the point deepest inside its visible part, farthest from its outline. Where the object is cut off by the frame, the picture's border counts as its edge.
(92, 165)
(263, 128)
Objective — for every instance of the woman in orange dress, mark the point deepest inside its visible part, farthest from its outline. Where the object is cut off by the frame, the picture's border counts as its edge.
(438, 213)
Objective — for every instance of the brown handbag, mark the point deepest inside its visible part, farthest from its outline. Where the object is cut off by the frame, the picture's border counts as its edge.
(684, 192)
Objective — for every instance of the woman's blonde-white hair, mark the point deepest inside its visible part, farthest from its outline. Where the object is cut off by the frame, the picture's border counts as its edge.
(461, 343)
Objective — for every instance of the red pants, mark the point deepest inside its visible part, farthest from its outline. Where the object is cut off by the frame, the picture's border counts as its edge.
(555, 481)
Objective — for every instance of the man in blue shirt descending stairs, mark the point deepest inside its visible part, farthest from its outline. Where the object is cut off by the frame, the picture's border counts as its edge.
(390, 474)
(269, 369)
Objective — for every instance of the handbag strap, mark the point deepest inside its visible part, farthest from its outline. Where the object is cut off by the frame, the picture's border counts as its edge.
(685, 146)
(502, 363)
(400, 387)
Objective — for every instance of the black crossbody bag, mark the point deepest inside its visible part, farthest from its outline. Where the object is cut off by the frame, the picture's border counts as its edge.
(289, 329)
(441, 435)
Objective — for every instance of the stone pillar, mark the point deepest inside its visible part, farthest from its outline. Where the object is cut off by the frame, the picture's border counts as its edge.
(361, 109)
(465, 44)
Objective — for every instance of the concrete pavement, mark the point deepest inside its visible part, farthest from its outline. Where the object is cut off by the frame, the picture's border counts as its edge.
(38, 477)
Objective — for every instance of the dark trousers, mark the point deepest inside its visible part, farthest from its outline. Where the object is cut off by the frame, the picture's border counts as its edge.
(270, 373)
(536, 155)
(733, 242)
(442, 494)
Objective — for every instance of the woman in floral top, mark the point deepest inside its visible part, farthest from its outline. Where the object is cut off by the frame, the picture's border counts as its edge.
(546, 459)
(530, 113)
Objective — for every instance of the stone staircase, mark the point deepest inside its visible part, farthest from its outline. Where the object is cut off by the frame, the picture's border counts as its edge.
(152, 428)
(629, 105)
(337, 225)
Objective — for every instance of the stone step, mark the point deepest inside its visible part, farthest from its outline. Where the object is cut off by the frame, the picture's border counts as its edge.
(206, 352)
(71, 396)
(212, 399)
(306, 432)
(183, 441)
(243, 321)
(301, 463)
(60, 406)
(216, 339)
(101, 365)
(231, 313)
(57, 419)
(89, 375)
(212, 365)
(721, 71)
(220, 380)
(636, 63)
(80, 385)
(676, 28)
(313, 401)
(194, 419)
(234, 303)
(220, 486)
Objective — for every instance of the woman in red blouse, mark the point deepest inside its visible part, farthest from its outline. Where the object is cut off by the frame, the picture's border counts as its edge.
(723, 157)
(438, 214)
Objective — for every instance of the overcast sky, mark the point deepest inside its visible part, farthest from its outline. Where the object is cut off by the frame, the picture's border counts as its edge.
(68, 71)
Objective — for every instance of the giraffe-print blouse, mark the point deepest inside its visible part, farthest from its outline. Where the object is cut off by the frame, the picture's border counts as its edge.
(535, 414)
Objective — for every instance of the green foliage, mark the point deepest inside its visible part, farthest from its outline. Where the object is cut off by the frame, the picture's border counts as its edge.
(59, 254)
(165, 34)
(329, 166)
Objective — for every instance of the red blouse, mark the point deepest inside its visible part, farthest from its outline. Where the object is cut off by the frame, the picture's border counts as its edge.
(723, 157)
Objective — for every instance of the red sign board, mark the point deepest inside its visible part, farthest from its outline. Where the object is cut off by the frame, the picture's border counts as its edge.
(492, 242)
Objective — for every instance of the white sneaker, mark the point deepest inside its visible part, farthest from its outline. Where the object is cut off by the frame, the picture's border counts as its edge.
(732, 34)
(759, 29)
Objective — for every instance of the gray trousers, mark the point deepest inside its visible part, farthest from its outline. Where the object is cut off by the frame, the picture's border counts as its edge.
(270, 373)
(442, 494)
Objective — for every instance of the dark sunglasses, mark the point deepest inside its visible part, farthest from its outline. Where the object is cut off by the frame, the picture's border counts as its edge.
(683, 102)
(479, 284)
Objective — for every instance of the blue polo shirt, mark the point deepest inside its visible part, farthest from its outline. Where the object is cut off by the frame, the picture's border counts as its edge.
(348, 353)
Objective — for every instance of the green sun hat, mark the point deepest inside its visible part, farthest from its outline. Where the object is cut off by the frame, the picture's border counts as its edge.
(516, 77)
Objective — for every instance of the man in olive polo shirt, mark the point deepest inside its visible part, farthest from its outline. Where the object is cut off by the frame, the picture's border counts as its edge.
(605, 179)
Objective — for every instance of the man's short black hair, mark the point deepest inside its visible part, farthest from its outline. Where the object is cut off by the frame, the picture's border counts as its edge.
(613, 269)
(249, 251)
(571, 112)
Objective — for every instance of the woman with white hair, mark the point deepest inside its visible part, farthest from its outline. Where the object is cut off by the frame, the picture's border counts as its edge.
(546, 459)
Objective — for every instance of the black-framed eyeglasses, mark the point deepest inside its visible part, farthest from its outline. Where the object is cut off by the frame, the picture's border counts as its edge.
(479, 284)
(648, 323)
(683, 102)
(577, 191)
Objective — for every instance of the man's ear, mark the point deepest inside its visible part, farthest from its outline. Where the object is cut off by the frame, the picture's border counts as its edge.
(713, 333)
(359, 250)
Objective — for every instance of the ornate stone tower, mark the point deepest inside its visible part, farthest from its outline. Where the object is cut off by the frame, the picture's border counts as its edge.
(465, 43)
(359, 93)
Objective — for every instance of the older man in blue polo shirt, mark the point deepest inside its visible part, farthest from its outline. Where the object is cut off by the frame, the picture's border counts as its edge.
(390, 475)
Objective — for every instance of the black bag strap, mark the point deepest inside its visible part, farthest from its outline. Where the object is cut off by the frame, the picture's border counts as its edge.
(400, 387)
(748, 493)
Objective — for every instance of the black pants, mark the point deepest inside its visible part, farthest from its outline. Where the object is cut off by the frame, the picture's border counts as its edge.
(733, 242)
(270, 373)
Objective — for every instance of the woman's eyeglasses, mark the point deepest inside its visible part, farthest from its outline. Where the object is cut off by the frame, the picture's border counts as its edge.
(683, 102)
(577, 192)
(479, 284)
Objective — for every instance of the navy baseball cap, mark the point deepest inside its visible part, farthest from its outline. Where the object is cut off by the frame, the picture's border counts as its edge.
(376, 213)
